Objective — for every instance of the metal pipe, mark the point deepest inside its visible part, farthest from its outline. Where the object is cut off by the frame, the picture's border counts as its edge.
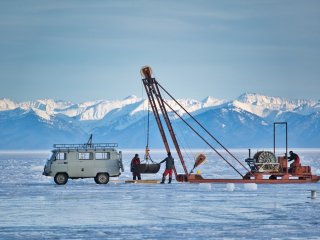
(286, 138)
(161, 102)
(313, 194)
(147, 83)
(150, 87)
(274, 138)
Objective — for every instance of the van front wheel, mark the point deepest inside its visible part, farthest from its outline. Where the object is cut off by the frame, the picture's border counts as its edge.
(61, 178)
(102, 178)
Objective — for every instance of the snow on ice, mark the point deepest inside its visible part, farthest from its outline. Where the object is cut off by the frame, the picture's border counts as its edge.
(33, 207)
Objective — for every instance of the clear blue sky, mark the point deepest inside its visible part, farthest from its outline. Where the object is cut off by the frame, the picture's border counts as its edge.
(88, 50)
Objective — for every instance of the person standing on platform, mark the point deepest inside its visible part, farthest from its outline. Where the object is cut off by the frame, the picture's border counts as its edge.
(135, 162)
(169, 166)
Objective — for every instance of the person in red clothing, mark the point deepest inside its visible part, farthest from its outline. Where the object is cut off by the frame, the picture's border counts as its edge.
(169, 166)
(294, 157)
(134, 162)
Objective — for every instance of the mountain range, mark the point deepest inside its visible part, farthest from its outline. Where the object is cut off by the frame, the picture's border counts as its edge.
(244, 122)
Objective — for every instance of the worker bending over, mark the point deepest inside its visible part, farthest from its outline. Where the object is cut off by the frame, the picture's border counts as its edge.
(294, 157)
(169, 166)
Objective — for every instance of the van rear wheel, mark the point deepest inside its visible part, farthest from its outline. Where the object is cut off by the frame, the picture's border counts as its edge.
(102, 178)
(61, 178)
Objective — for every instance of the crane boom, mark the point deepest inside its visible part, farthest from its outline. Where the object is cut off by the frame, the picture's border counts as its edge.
(156, 101)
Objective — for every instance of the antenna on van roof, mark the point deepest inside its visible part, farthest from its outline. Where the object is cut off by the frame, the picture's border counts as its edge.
(90, 140)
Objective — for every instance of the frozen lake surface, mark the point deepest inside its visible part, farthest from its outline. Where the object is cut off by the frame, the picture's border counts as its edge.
(33, 207)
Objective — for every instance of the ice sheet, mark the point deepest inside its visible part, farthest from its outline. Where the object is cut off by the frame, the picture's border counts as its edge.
(33, 207)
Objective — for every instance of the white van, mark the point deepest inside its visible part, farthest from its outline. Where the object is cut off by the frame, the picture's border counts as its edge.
(99, 161)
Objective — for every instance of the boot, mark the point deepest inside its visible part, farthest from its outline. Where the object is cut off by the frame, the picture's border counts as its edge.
(170, 178)
(163, 179)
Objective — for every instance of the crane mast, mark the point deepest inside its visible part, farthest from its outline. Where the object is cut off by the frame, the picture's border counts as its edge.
(156, 101)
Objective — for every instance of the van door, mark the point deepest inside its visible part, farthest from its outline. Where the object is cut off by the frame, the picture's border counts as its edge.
(60, 162)
(86, 163)
(74, 165)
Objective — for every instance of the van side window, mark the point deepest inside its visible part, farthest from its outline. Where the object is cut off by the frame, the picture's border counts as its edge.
(85, 156)
(61, 156)
(102, 155)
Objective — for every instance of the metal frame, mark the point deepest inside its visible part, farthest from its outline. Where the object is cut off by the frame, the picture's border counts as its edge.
(156, 100)
(152, 88)
(85, 146)
(274, 136)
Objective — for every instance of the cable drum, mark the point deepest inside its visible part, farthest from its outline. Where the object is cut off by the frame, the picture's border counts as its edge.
(265, 157)
(266, 161)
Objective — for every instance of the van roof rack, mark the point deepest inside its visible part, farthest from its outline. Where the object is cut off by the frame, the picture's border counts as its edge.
(85, 146)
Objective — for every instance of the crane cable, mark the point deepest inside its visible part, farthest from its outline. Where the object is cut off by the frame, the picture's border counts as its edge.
(146, 156)
(216, 140)
(204, 140)
(146, 128)
(183, 142)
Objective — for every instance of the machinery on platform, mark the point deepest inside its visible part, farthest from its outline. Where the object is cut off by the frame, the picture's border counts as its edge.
(265, 163)
(264, 167)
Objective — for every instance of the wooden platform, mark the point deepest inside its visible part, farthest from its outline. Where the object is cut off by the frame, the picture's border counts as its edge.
(143, 181)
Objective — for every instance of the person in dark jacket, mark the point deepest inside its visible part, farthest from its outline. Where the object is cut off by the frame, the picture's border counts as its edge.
(294, 157)
(134, 162)
(169, 166)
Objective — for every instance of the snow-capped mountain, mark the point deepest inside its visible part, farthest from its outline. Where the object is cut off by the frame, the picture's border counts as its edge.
(244, 122)
(263, 105)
